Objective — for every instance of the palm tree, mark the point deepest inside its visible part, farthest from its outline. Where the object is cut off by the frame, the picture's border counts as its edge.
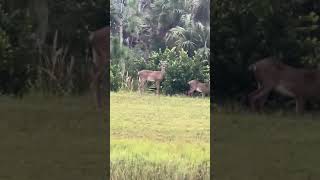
(190, 36)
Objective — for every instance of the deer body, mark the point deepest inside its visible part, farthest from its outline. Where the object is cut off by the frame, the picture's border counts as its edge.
(151, 76)
(300, 84)
(195, 85)
(100, 45)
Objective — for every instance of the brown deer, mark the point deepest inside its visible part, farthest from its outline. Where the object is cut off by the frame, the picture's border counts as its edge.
(195, 85)
(272, 75)
(100, 45)
(151, 76)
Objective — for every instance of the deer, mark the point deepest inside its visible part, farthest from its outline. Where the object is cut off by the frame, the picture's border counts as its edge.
(195, 85)
(151, 76)
(100, 45)
(273, 75)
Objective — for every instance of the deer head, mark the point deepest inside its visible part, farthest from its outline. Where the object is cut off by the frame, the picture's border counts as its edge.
(195, 85)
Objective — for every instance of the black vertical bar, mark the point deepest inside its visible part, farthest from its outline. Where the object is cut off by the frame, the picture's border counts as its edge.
(108, 98)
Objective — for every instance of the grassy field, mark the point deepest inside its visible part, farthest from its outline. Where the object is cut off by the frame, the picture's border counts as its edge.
(51, 138)
(277, 146)
(160, 138)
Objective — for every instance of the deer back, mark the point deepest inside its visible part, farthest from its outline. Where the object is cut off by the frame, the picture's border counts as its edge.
(199, 86)
(286, 79)
(151, 75)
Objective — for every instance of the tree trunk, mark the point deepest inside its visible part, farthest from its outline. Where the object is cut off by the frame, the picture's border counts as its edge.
(39, 11)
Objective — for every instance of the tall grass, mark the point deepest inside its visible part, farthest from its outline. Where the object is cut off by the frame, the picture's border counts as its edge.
(59, 72)
(159, 137)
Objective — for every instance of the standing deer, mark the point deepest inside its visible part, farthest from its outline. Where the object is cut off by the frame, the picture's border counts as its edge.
(195, 85)
(99, 41)
(152, 76)
(272, 75)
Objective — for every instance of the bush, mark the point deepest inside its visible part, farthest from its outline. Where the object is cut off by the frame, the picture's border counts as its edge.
(115, 77)
(125, 61)
(16, 52)
(181, 69)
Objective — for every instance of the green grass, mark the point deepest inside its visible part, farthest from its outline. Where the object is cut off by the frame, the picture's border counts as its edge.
(51, 138)
(159, 137)
(273, 146)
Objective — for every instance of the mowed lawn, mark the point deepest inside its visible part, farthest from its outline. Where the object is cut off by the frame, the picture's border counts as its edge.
(268, 146)
(51, 138)
(159, 137)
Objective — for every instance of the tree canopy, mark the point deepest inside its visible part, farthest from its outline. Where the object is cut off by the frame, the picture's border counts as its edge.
(146, 32)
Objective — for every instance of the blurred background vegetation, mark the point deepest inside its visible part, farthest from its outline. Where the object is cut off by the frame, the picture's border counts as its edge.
(44, 44)
(146, 32)
(245, 31)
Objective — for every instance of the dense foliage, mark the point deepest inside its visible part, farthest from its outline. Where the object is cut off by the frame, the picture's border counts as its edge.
(181, 69)
(247, 30)
(15, 52)
(147, 33)
(44, 44)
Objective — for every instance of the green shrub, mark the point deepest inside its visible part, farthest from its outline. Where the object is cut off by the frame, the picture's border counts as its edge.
(181, 69)
(115, 77)
(16, 52)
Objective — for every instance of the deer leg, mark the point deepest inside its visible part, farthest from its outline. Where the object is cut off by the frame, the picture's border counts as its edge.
(97, 90)
(261, 93)
(101, 89)
(250, 98)
(255, 92)
(158, 87)
(99, 83)
(262, 101)
(142, 86)
(299, 105)
(190, 92)
(139, 85)
(93, 84)
(259, 104)
(95, 87)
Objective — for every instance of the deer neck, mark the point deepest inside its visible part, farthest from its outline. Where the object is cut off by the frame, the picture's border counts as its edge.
(163, 71)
